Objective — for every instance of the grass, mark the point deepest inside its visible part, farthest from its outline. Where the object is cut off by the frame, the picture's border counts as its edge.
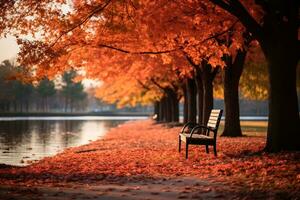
(250, 128)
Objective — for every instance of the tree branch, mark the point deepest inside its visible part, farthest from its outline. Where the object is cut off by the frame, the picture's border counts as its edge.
(190, 60)
(160, 52)
(158, 85)
(91, 14)
(236, 8)
(221, 33)
(143, 85)
(156, 52)
(138, 52)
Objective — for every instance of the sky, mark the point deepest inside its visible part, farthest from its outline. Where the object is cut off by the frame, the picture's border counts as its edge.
(8, 48)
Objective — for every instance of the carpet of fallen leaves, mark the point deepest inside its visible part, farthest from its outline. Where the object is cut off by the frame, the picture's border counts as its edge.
(145, 150)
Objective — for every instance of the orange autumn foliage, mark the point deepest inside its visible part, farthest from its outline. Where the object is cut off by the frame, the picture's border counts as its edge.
(132, 84)
(108, 38)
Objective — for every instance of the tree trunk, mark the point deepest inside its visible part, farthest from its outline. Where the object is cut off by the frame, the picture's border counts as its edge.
(185, 104)
(26, 106)
(281, 48)
(15, 106)
(191, 93)
(66, 104)
(7, 107)
(2, 107)
(208, 74)
(199, 87)
(233, 72)
(156, 110)
(165, 109)
(284, 123)
(162, 110)
(71, 105)
(46, 104)
(21, 106)
(176, 110)
(168, 109)
(43, 104)
(174, 103)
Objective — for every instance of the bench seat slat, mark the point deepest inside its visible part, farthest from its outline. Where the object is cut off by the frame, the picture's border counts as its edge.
(196, 136)
(214, 115)
(212, 121)
(215, 111)
(211, 124)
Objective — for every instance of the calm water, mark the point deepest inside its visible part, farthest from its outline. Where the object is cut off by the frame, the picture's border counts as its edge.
(25, 139)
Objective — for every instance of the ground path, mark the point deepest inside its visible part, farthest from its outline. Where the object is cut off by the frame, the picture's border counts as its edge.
(183, 188)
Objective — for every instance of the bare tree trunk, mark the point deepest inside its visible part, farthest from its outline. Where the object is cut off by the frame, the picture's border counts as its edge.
(156, 110)
(199, 86)
(284, 123)
(163, 109)
(191, 91)
(185, 104)
(233, 72)
(208, 74)
(15, 106)
(66, 104)
(173, 103)
(168, 109)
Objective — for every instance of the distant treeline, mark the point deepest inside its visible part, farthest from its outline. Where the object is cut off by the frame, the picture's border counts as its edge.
(17, 96)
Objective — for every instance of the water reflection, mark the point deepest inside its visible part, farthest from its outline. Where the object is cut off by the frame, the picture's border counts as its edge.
(25, 140)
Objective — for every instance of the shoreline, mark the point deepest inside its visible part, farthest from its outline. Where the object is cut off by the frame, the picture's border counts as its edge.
(6, 166)
(109, 114)
(62, 114)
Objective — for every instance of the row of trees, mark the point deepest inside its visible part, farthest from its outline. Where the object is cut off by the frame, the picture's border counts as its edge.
(159, 51)
(17, 96)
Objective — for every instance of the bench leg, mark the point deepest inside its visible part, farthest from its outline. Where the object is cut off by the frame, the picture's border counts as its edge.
(206, 148)
(215, 150)
(179, 144)
(186, 150)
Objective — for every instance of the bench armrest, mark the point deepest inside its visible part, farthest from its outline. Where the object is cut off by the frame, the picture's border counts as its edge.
(188, 125)
(207, 129)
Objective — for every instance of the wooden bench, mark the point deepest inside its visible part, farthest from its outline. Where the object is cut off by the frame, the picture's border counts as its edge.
(196, 134)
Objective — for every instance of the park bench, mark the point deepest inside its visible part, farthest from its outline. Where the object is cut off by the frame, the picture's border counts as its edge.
(196, 134)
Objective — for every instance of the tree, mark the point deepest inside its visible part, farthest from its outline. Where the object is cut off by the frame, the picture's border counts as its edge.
(278, 37)
(232, 74)
(23, 94)
(146, 80)
(14, 91)
(73, 91)
(46, 89)
(6, 95)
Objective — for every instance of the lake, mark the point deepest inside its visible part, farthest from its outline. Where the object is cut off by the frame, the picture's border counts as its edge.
(26, 139)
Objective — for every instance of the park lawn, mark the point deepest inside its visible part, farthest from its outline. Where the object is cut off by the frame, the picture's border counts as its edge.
(250, 128)
(138, 151)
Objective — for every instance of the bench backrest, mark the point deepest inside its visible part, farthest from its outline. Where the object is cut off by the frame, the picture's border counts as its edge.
(214, 118)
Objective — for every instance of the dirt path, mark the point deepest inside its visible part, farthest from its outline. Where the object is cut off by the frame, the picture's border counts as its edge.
(183, 188)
